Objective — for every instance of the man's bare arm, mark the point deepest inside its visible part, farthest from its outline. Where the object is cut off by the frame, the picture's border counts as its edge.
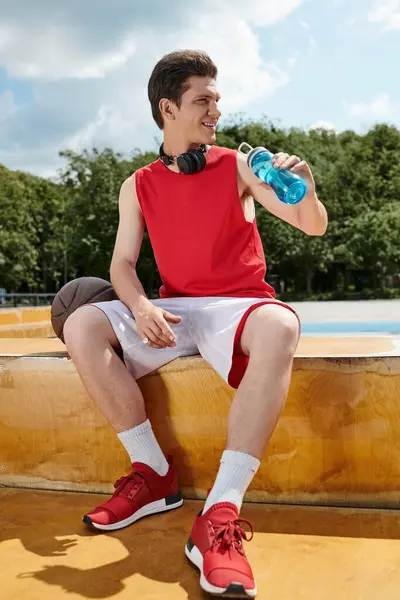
(127, 247)
(309, 215)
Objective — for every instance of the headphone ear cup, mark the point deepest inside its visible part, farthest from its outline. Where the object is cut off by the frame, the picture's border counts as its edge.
(191, 162)
(195, 164)
(184, 163)
(200, 159)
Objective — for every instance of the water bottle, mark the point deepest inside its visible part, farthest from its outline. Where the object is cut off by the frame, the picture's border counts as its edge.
(289, 187)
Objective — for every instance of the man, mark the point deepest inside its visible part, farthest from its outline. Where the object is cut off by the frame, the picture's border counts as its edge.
(214, 301)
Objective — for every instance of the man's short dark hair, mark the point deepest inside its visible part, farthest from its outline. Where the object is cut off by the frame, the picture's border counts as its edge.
(169, 78)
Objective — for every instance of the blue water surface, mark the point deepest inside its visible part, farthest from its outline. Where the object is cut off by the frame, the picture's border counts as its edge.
(356, 327)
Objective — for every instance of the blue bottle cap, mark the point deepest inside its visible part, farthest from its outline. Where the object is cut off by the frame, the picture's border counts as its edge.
(253, 152)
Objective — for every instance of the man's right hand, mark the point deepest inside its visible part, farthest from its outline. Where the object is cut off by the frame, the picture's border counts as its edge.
(152, 323)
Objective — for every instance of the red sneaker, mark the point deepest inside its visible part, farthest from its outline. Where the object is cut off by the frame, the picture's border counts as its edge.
(215, 547)
(143, 492)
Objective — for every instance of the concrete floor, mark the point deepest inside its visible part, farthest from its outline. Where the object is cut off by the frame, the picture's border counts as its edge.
(359, 310)
(46, 552)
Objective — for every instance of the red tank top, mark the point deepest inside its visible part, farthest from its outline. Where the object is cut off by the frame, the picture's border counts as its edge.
(202, 243)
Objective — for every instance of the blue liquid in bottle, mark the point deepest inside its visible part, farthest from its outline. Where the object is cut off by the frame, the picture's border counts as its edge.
(289, 187)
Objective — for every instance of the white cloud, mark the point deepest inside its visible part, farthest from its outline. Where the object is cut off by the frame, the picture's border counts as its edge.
(30, 58)
(386, 12)
(236, 50)
(90, 74)
(74, 44)
(379, 108)
(259, 12)
(324, 125)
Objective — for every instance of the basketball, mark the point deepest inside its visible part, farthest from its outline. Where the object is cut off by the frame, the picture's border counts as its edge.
(76, 293)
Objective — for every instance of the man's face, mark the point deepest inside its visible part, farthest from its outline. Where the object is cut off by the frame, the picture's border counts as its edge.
(198, 115)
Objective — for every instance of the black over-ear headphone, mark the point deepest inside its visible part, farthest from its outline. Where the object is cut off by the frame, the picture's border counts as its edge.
(188, 163)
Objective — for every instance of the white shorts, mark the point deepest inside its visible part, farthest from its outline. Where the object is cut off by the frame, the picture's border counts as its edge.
(210, 326)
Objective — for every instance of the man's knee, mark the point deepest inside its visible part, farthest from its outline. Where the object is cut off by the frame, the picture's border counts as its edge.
(271, 324)
(85, 324)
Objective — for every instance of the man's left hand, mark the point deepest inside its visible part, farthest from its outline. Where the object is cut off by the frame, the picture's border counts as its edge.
(282, 160)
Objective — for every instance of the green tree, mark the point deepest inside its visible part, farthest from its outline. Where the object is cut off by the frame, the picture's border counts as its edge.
(53, 232)
(18, 234)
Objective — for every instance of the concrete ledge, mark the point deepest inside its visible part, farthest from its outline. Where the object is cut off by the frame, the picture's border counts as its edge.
(24, 314)
(335, 444)
(26, 322)
(41, 329)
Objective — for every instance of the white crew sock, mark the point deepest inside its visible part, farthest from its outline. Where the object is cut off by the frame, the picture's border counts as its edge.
(142, 446)
(236, 471)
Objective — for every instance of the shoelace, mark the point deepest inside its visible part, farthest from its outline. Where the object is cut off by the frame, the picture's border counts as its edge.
(229, 535)
(119, 485)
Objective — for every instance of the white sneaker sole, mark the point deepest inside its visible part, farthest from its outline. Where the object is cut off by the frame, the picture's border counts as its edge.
(234, 590)
(149, 509)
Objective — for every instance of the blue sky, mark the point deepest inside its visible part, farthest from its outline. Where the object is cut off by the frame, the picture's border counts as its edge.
(345, 66)
(75, 75)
